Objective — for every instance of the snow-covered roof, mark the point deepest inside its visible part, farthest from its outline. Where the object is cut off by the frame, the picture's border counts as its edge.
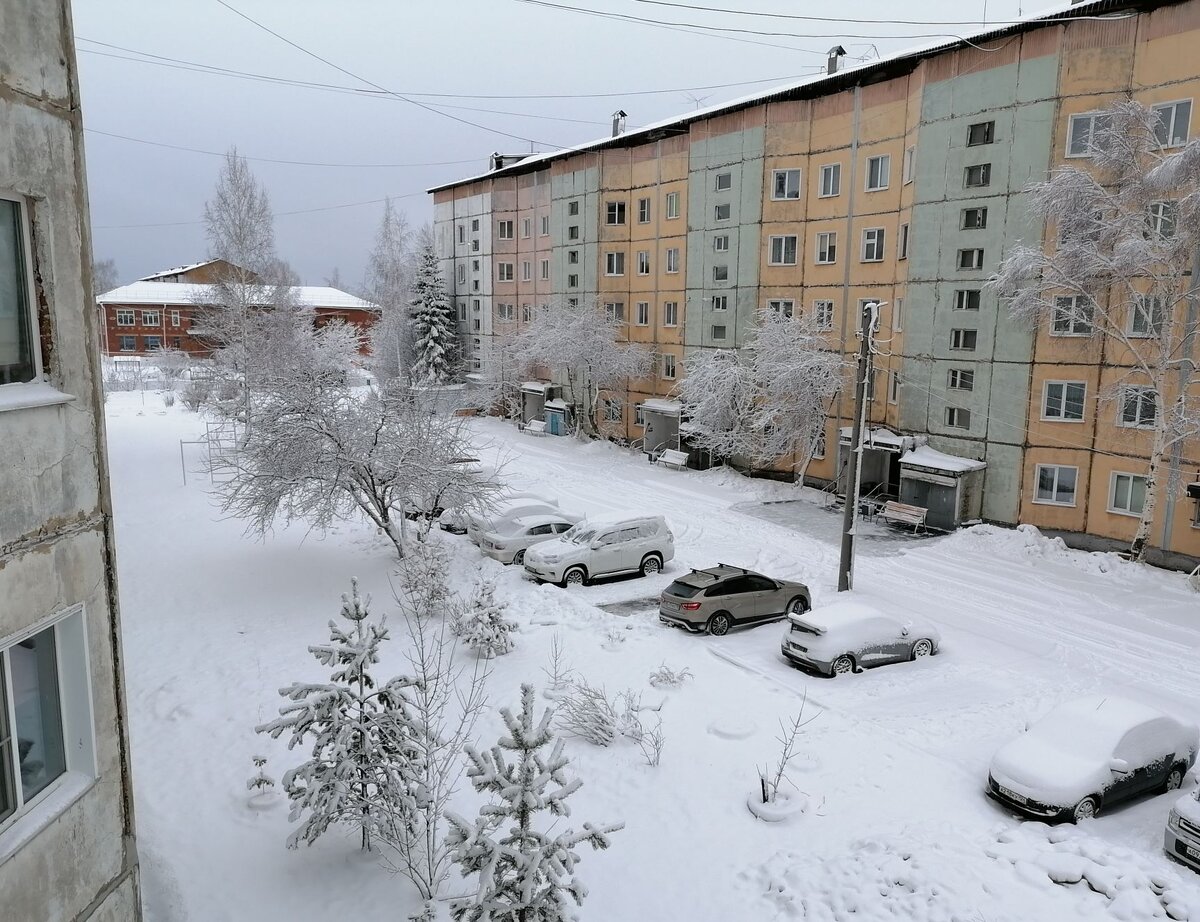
(879, 438)
(837, 614)
(535, 387)
(658, 405)
(192, 293)
(176, 271)
(556, 404)
(808, 87)
(604, 519)
(924, 456)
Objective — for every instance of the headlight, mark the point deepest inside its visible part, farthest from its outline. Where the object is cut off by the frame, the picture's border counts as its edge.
(1173, 821)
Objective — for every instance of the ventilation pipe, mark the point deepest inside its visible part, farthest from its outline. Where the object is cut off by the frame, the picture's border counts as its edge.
(831, 64)
(618, 124)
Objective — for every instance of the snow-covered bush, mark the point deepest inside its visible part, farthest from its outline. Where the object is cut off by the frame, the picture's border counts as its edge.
(483, 626)
(363, 768)
(586, 711)
(558, 670)
(172, 363)
(652, 741)
(666, 677)
(524, 874)
(770, 778)
(195, 394)
(168, 398)
(260, 783)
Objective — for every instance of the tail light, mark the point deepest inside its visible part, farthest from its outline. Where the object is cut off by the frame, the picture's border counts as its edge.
(690, 606)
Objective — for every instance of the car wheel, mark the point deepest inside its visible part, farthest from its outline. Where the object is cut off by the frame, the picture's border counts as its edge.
(651, 564)
(922, 648)
(797, 606)
(1086, 809)
(1174, 778)
(576, 576)
(519, 558)
(719, 624)
(843, 665)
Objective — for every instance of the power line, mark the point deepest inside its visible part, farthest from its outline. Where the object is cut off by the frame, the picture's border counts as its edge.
(797, 16)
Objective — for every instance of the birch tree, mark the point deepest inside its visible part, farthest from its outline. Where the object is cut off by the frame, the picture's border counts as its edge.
(1121, 266)
(434, 336)
(585, 345)
(770, 399)
(388, 283)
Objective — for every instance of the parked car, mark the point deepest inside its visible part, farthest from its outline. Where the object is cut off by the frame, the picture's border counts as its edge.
(720, 597)
(606, 546)
(508, 509)
(1089, 754)
(848, 637)
(510, 541)
(1182, 839)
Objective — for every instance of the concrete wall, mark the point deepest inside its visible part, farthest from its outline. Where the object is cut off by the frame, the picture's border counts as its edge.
(75, 857)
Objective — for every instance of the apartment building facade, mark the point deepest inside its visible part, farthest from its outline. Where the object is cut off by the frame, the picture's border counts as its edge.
(900, 181)
(67, 845)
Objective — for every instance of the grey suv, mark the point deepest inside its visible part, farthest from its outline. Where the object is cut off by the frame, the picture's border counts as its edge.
(720, 597)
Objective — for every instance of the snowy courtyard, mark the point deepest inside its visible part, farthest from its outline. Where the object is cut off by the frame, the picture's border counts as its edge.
(891, 822)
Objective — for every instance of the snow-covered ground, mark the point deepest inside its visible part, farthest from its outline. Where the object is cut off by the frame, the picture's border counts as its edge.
(891, 774)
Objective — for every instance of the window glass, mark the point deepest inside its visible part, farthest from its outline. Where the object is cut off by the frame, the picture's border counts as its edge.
(38, 717)
(16, 337)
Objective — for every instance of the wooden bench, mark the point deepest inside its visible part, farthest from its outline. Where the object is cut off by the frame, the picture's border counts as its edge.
(669, 457)
(895, 513)
(536, 427)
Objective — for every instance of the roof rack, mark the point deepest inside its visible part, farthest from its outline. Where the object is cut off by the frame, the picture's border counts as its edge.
(730, 566)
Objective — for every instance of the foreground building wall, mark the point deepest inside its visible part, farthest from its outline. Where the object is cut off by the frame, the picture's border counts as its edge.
(67, 848)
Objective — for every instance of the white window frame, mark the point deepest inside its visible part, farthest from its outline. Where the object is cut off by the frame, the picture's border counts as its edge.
(642, 314)
(1054, 489)
(784, 307)
(614, 263)
(672, 260)
(126, 312)
(720, 273)
(545, 270)
(643, 262)
(505, 272)
(958, 339)
(955, 418)
(902, 241)
(780, 243)
(874, 238)
(1140, 393)
(643, 211)
(545, 225)
(175, 317)
(1058, 413)
(976, 262)
(963, 300)
(906, 169)
(823, 314)
(506, 312)
(1152, 319)
(151, 317)
(1116, 477)
(720, 302)
(672, 206)
(573, 208)
(670, 313)
(960, 379)
(504, 230)
(789, 194)
(989, 133)
(724, 328)
(526, 228)
(1164, 219)
(526, 271)
(898, 315)
(722, 208)
(1073, 324)
(669, 368)
(614, 311)
(826, 248)
(893, 386)
(723, 182)
(984, 173)
(121, 342)
(721, 243)
(1171, 133)
(612, 409)
(831, 181)
(981, 212)
(614, 214)
(1090, 119)
(884, 177)
(573, 280)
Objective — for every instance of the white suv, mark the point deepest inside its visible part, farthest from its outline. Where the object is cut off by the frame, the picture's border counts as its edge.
(603, 547)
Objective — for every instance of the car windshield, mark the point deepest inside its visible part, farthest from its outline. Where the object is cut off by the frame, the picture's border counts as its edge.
(683, 590)
(580, 536)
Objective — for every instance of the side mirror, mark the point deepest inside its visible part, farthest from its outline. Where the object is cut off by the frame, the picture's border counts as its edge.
(904, 632)
(1025, 729)
(1119, 765)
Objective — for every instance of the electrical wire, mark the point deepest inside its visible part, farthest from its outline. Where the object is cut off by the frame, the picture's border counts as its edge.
(797, 16)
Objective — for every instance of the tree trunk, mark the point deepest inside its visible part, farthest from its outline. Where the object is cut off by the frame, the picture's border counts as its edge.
(1137, 549)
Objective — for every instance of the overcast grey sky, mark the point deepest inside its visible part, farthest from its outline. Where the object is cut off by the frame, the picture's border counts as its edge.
(477, 48)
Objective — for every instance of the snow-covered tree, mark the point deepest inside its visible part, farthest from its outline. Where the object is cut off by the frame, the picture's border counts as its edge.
(769, 400)
(1121, 266)
(524, 873)
(363, 769)
(433, 323)
(389, 280)
(483, 626)
(105, 276)
(589, 347)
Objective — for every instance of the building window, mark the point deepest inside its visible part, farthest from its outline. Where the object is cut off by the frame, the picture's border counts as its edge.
(462, 233)
(878, 170)
(898, 315)
(872, 244)
(1139, 407)
(506, 312)
(128, 343)
(151, 318)
(964, 340)
(462, 310)
(783, 250)
(573, 208)
(614, 213)
(970, 259)
(906, 170)
(720, 273)
(826, 248)
(670, 313)
(785, 184)
(1072, 317)
(960, 379)
(643, 314)
(526, 313)
(572, 280)
(475, 245)
(174, 342)
(672, 205)
(823, 314)
(614, 263)
(545, 269)
(831, 180)
(612, 409)
(981, 133)
(902, 244)
(958, 418)
(723, 182)
(504, 272)
(474, 265)
(526, 227)
(720, 302)
(475, 284)
(571, 302)
(152, 342)
(1172, 122)
(573, 257)
(545, 228)
(784, 308)
(1055, 484)
(476, 363)
(819, 446)
(1147, 316)
(1163, 219)
(974, 218)
(977, 176)
(1082, 135)
(474, 225)
(475, 324)
(614, 311)
(573, 232)
(1063, 400)
(966, 299)
(894, 387)
(125, 317)
(1127, 494)
(722, 212)
(718, 331)
(174, 318)
(462, 273)
(643, 211)
(639, 416)
(721, 243)
(673, 260)
(504, 230)
(643, 262)
(526, 271)
(668, 367)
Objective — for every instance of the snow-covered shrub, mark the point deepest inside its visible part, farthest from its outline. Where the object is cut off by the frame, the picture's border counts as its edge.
(651, 742)
(168, 398)
(172, 363)
(260, 782)
(523, 873)
(425, 574)
(558, 671)
(483, 626)
(363, 769)
(666, 677)
(770, 778)
(588, 712)
(195, 394)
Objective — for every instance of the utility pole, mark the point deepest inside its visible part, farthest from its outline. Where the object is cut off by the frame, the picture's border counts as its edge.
(870, 315)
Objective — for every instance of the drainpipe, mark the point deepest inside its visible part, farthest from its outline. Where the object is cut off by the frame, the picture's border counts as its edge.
(1187, 370)
(848, 247)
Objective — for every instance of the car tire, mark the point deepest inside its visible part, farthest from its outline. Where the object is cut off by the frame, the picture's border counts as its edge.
(719, 624)
(519, 558)
(796, 606)
(1174, 779)
(651, 564)
(843, 665)
(1086, 809)
(922, 648)
(575, 576)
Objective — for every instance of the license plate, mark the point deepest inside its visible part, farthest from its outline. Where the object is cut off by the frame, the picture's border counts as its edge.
(1012, 795)
(796, 646)
(1193, 853)
(667, 603)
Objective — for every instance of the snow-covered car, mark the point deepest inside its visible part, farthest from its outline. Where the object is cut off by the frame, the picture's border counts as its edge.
(455, 519)
(846, 637)
(720, 597)
(605, 546)
(1090, 753)
(1182, 838)
(512, 540)
(506, 510)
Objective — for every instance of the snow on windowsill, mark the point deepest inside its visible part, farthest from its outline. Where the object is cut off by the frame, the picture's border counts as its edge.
(33, 394)
(68, 789)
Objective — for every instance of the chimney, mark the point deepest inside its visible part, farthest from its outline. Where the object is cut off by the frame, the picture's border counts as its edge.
(618, 118)
(831, 65)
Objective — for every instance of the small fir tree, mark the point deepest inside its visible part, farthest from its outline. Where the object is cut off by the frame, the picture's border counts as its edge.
(364, 767)
(525, 875)
(483, 626)
(433, 324)
(260, 784)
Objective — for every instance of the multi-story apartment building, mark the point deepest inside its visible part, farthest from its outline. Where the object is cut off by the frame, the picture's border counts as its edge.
(67, 847)
(900, 181)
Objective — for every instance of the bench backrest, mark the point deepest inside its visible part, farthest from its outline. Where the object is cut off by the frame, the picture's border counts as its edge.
(671, 456)
(903, 510)
(537, 425)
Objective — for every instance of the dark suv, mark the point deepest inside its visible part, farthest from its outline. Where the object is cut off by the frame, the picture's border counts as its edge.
(720, 597)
